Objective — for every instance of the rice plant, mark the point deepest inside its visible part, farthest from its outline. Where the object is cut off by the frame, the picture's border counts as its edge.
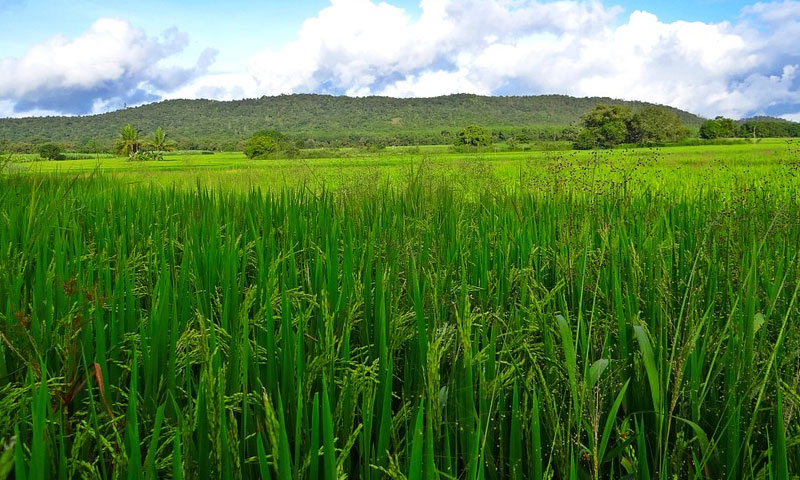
(408, 332)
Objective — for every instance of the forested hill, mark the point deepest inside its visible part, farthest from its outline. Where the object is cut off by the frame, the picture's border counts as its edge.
(320, 118)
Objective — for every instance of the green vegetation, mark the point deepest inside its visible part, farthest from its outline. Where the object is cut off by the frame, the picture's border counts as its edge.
(604, 127)
(474, 136)
(128, 141)
(269, 144)
(160, 143)
(656, 126)
(612, 314)
(319, 121)
(359, 169)
(759, 127)
(51, 151)
(720, 127)
(131, 144)
(608, 126)
(768, 127)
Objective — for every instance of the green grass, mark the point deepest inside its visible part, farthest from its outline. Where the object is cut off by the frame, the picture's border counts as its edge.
(587, 318)
(354, 169)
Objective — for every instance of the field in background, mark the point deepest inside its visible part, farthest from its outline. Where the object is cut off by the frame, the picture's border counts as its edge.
(689, 166)
(432, 315)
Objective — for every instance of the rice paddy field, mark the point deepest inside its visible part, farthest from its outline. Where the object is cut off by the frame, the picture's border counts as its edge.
(627, 314)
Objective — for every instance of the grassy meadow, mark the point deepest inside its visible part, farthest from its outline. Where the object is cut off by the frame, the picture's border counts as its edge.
(625, 314)
(347, 169)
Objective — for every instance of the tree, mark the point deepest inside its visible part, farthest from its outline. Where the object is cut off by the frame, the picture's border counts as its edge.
(605, 126)
(51, 151)
(727, 127)
(128, 141)
(474, 136)
(587, 139)
(720, 127)
(656, 125)
(160, 142)
(709, 129)
(263, 144)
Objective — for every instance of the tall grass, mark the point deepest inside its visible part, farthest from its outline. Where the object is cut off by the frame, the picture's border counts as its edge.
(401, 333)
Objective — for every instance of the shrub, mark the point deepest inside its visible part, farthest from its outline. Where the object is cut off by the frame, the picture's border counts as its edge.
(264, 143)
(587, 139)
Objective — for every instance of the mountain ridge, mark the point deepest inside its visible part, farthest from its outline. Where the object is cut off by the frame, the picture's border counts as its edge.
(319, 117)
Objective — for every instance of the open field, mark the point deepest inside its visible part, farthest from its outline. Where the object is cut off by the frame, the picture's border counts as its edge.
(580, 315)
(687, 167)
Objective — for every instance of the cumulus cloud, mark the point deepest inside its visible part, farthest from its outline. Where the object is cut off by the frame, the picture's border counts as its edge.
(108, 66)
(749, 65)
(360, 47)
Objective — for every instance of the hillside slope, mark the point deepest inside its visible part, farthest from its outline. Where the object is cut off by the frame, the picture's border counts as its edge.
(318, 117)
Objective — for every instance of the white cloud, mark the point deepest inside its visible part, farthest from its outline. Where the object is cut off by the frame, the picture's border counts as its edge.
(774, 12)
(435, 83)
(794, 117)
(359, 47)
(367, 47)
(218, 86)
(110, 64)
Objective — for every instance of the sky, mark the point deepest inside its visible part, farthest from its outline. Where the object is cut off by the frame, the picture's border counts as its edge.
(711, 57)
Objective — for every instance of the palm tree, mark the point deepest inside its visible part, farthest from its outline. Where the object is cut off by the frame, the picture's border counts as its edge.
(128, 141)
(160, 142)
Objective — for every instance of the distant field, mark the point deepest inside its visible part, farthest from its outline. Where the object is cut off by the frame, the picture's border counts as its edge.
(688, 166)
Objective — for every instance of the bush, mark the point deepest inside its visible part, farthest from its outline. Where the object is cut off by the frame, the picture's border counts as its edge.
(587, 139)
(265, 143)
(51, 151)
(148, 156)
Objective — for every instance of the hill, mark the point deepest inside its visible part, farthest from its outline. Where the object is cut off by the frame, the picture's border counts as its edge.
(322, 119)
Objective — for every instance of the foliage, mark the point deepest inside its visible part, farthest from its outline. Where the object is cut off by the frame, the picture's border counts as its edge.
(768, 128)
(474, 136)
(587, 139)
(148, 156)
(608, 126)
(720, 127)
(321, 120)
(656, 126)
(573, 332)
(710, 129)
(727, 127)
(264, 143)
(128, 141)
(605, 127)
(50, 151)
(159, 141)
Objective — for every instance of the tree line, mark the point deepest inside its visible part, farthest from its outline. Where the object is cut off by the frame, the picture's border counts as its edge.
(320, 121)
(721, 127)
(604, 126)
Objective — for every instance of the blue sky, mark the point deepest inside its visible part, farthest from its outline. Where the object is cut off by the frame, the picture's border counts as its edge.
(734, 58)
